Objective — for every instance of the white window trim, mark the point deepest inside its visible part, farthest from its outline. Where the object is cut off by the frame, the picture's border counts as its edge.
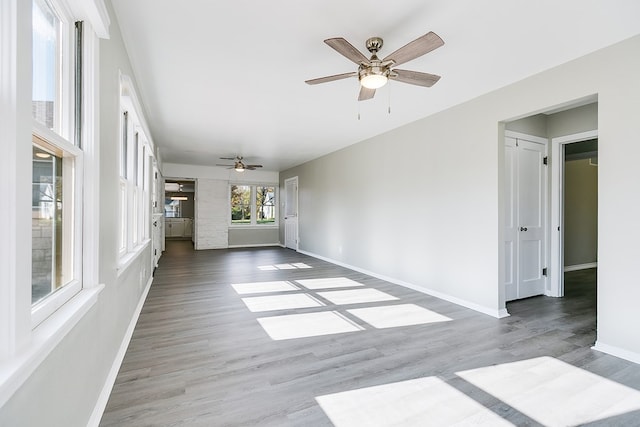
(73, 248)
(135, 206)
(22, 349)
(254, 225)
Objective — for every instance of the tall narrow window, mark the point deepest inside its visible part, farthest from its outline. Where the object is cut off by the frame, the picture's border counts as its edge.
(240, 204)
(124, 147)
(56, 162)
(265, 205)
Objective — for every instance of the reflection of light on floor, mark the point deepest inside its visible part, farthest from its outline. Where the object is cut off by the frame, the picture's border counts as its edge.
(397, 315)
(285, 267)
(328, 283)
(356, 296)
(554, 393)
(420, 402)
(301, 265)
(307, 325)
(263, 287)
(281, 302)
(292, 266)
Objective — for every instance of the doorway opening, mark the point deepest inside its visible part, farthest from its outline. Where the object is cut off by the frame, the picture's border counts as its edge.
(179, 209)
(570, 132)
(574, 194)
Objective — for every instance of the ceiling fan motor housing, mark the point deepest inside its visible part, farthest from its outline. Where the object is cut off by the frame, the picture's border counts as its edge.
(374, 44)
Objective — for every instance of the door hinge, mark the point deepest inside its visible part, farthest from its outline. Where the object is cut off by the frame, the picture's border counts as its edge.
(544, 271)
(545, 161)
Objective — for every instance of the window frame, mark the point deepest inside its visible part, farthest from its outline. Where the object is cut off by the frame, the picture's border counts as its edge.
(73, 167)
(61, 138)
(253, 206)
(136, 149)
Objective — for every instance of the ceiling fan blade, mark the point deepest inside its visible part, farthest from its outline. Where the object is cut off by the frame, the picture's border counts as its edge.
(414, 77)
(253, 166)
(218, 164)
(366, 93)
(227, 158)
(418, 47)
(347, 50)
(331, 78)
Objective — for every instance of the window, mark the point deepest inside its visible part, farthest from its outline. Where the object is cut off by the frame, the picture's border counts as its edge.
(135, 152)
(253, 205)
(56, 217)
(265, 205)
(240, 204)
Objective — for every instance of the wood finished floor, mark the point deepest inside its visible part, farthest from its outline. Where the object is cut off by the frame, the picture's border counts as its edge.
(199, 357)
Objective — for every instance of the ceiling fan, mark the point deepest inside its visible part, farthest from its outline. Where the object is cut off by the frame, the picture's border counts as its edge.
(238, 165)
(373, 73)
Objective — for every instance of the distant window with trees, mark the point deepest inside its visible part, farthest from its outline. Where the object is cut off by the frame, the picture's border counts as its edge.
(253, 204)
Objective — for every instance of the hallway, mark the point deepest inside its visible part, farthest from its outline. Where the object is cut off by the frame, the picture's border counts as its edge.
(271, 337)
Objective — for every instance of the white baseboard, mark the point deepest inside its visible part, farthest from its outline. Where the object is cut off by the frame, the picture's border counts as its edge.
(617, 351)
(577, 267)
(103, 399)
(500, 313)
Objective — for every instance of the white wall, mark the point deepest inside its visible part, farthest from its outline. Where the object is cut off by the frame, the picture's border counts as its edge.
(438, 225)
(66, 386)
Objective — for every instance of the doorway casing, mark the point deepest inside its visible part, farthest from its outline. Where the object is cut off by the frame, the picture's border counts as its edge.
(556, 253)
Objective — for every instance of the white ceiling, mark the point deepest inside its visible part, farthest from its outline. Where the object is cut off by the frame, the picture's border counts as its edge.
(227, 78)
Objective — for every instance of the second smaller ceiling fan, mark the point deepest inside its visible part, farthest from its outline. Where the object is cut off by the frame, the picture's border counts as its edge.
(239, 165)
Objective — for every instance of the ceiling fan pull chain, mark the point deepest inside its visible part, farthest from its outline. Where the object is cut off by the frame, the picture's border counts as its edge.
(389, 100)
(358, 104)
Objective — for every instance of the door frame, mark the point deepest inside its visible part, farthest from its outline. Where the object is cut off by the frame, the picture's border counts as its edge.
(556, 270)
(286, 201)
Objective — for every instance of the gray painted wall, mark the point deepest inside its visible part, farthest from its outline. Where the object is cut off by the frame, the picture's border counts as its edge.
(254, 236)
(580, 213)
(439, 226)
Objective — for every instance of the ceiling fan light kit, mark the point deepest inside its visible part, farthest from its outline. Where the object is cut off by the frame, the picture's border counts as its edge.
(373, 73)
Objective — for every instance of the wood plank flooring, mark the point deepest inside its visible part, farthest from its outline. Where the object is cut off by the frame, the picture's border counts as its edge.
(200, 357)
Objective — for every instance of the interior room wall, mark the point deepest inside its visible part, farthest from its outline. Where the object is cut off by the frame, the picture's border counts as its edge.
(438, 225)
(580, 213)
(67, 385)
(212, 230)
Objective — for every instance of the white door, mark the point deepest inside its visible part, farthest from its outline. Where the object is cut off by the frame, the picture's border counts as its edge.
(291, 213)
(525, 233)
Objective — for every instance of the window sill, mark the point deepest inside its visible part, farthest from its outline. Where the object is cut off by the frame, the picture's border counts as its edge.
(44, 339)
(128, 258)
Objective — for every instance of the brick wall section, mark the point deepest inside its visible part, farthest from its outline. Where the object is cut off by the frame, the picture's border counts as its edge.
(212, 214)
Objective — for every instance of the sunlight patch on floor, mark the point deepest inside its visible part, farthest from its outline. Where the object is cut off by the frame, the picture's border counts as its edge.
(264, 287)
(553, 392)
(307, 325)
(419, 402)
(328, 283)
(356, 296)
(397, 315)
(280, 302)
(301, 265)
(292, 266)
